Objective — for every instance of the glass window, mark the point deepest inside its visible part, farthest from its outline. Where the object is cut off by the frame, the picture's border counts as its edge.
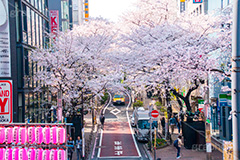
(19, 66)
(64, 25)
(17, 22)
(40, 5)
(33, 29)
(32, 2)
(24, 12)
(27, 116)
(34, 71)
(144, 124)
(36, 4)
(29, 26)
(64, 6)
(30, 71)
(41, 32)
(37, 30)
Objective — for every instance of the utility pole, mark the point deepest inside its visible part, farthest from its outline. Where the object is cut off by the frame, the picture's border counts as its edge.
(207, 125)
(235, 79)
(82, 115)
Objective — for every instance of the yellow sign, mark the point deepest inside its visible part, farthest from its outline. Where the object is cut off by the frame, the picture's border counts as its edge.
(228, 150)
(182, 0)
(208, 136)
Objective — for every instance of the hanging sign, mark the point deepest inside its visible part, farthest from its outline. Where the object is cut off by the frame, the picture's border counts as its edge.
(54, 20)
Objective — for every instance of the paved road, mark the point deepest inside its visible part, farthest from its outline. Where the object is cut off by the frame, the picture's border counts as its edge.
(116, 140)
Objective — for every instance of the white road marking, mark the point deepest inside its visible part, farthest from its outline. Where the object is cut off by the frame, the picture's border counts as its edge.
(100, 143)
(131, 126)
(115, 111)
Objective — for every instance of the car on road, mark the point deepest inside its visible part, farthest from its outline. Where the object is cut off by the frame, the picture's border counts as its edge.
(142, 122)
(118, 99)
(132, 118)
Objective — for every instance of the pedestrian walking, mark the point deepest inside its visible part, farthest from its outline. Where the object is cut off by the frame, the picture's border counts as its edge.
(163, 125)
(68, 136)
(172, 123)
(102, 119)
(70, 143)
(178, 143)
(79, 148)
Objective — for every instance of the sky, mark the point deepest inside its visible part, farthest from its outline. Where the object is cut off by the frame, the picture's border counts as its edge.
(109, 9)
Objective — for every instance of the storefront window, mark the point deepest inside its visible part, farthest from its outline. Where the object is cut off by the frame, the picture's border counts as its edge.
(27, 116)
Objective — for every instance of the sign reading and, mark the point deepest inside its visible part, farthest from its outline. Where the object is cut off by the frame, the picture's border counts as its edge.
(54, 21)
(5, 101)
(154, 113)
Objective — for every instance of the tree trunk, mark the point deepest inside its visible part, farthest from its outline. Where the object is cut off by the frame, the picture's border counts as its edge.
(186, 99)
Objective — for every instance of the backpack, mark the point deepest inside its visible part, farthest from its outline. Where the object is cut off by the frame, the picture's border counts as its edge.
(175, 143)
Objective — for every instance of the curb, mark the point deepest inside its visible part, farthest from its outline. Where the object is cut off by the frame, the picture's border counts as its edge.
(147, 152)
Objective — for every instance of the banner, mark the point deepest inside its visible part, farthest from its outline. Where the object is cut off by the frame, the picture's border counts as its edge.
(54, 21)
(6, 101)
(5, 60)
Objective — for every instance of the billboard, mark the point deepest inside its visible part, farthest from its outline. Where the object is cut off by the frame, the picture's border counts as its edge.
(197, 1)
(6, 101)
(5, 59)
(54, 21)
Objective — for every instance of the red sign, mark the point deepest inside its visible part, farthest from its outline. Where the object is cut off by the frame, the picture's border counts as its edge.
(197, 1)
(154, 113)
(5, 101)
(54, 21)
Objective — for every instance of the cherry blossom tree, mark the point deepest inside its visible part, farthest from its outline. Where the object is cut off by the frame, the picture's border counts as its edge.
(76, 62)
(165, 49)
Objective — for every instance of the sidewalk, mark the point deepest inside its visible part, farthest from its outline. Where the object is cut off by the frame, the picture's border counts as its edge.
(170, 153)
(87, 130)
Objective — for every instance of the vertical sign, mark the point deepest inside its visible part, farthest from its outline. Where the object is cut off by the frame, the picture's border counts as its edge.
(86, 10)
(5, 63)
(54, 21)
(182, 6)
(59, 107)
(83, 143)
(5, 101)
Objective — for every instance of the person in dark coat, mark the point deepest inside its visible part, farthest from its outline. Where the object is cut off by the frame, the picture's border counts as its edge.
(70, 143)
(79, 148)
(163, 125)
(102, 119)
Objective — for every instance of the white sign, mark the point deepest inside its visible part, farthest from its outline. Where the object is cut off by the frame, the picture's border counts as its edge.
(5, 63)
(83, 143)
(5, 101)
(75, 5)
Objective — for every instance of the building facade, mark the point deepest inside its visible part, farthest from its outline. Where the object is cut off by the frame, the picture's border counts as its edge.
(29, 25)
